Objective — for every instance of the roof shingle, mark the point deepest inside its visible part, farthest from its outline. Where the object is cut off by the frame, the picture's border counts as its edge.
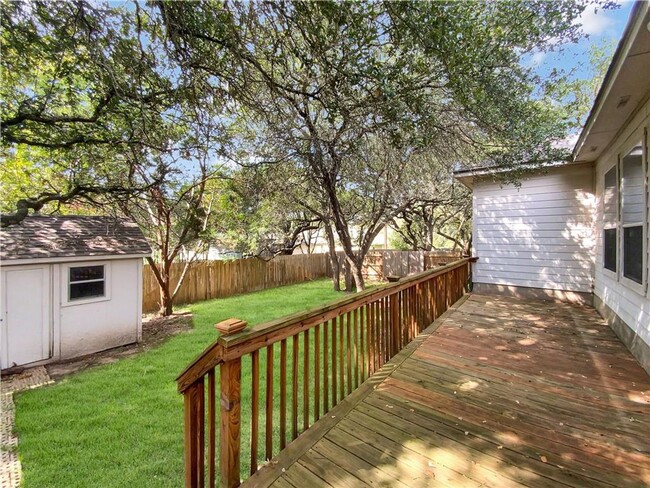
(39, 237)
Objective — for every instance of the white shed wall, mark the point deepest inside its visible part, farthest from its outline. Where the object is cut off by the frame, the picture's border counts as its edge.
(631, 302)
(98, 325)
(78, 327)
(539, 235)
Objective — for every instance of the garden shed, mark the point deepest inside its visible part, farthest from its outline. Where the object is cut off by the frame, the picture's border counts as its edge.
(70, 286)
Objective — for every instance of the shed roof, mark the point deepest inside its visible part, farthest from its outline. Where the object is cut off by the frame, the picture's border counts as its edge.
(39, 237)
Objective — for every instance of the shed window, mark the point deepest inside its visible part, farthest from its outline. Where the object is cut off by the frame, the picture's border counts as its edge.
(87, 282)
(632, 190)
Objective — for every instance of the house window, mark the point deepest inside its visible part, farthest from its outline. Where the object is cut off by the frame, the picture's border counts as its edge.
(633, 213)
(610, 216)
(86, 282)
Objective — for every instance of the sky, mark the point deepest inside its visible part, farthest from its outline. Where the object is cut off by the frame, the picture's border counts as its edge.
(600, 26)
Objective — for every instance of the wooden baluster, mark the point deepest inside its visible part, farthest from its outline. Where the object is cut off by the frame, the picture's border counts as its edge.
(388, 333)
(407, 322)
(413, 313)
(420, 307)
(405, 317)
(365, 343)
(370, 335)
(369, 344)
(409, 317)
(384, 330)
(230, 425)
(317, 373)
(294, 402)
(269, 402)
(193, 398)
(359, 327)
(395, 323)
(355, 346)
(255, 407)
(402, 326)
(429, 295)
(447, 291)
(380, 333)
(212, 429)
(326, 375)
(429, 298)
(283, 394)
(334, 375)
(305, 381)
(380, 336)
(377, 334)
(441, 294)
(341, 359)
(418, 326)
(425, 319)
(348, 350)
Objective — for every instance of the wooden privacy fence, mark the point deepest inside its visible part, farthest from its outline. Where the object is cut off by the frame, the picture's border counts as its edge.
(216, 279)
(322, 356)
(380, 264)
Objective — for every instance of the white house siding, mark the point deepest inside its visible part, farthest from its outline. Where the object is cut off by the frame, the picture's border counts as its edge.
(629, 301)
(539, 235)
(98, 325)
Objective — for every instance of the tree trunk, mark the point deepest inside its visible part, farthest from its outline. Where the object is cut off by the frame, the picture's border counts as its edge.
(347, 275)
(162, 275)
(166, 301)
(334, 259)
(355, 269)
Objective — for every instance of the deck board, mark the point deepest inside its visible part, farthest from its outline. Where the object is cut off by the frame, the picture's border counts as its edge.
(499, 392)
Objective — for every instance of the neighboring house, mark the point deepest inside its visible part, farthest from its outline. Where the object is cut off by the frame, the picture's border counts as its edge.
(70, 286)
(579, 231)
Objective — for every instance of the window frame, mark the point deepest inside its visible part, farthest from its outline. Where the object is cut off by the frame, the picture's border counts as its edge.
(66, 301)
(639, 288)
(616, 225)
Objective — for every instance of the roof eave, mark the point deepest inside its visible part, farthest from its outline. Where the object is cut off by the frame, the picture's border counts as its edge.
(635, 22)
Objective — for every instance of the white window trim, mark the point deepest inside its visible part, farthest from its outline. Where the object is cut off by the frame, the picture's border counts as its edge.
(608, 272)
(65, 283)
(639, 288)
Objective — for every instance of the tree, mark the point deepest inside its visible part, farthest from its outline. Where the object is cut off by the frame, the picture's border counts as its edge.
(260, 217)
(440, 212)
(323, 81)
(174, 214)
(85, 92)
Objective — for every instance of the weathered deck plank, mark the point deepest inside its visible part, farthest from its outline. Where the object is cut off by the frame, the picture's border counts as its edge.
(498, 392)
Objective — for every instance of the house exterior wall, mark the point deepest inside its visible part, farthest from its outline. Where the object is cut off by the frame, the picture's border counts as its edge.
(537, 236)
(83, 326)
(626, 304)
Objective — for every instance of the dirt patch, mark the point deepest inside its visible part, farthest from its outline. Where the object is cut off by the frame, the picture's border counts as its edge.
(155, 330)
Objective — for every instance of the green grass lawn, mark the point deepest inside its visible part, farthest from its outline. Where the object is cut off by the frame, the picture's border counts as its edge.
(122, 424)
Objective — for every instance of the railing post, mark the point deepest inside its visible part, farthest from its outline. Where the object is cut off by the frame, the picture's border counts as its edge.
(230, 422)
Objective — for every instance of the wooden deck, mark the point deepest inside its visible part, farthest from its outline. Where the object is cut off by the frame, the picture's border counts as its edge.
(497, 392)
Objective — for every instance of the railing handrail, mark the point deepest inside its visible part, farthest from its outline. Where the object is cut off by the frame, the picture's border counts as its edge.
(226, 348)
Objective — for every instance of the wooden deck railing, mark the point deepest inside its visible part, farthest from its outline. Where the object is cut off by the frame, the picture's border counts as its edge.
(342, 344)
